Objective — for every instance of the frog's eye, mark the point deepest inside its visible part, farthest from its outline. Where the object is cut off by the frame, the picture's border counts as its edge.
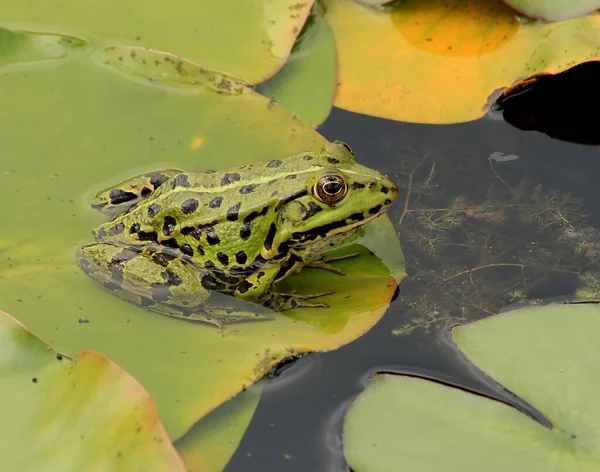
(330, 189)
(346, 146)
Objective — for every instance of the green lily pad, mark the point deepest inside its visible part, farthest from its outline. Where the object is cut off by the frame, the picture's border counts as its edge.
(84, 124)
(249, 39)
(209, 445)
(23, 47)
(305, 86)
(380, 237)
(547, 356)
(63, 415)
(554, 10)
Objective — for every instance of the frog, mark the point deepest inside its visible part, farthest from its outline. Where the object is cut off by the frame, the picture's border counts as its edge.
(174, 237)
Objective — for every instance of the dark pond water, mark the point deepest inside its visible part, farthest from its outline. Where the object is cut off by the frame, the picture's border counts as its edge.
(298, 424)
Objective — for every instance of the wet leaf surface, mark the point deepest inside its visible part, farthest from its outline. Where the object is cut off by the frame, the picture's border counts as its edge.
(63, 415)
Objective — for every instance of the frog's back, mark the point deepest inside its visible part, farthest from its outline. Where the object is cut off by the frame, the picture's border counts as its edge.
(239, 177)
(203, 212)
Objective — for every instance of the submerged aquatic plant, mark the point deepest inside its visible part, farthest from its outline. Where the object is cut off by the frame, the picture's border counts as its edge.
(470, 255)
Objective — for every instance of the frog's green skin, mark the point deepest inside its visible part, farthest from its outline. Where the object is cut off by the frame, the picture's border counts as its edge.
(178, 235)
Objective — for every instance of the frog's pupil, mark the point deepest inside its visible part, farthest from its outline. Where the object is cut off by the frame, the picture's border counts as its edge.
(332, 188)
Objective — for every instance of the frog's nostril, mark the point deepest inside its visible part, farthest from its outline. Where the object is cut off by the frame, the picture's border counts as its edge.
(390, 188)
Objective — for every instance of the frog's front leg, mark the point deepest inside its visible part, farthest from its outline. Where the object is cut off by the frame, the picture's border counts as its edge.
(325, 263)
(156, 279)
(257, 288)
(121, 196)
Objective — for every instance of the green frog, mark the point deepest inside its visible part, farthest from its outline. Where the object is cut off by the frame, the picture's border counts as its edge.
(176, 236)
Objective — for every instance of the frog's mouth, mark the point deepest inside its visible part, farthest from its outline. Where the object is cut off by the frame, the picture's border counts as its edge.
(342, 226)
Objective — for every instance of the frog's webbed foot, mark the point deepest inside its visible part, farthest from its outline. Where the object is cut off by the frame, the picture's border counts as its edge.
(287, 301)
(324, 263)
(123, 195)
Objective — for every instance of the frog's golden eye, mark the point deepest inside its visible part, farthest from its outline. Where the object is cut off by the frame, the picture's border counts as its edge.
(330, 189)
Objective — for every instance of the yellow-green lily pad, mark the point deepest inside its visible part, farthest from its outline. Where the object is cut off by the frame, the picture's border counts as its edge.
(24, 47)
(548, 356)
(249, 39)
(209, 445)
(85, 124)
(305, 86)
(439, 61)
(71, 416)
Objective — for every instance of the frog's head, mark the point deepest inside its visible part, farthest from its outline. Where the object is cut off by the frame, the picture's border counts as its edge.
(338, 196)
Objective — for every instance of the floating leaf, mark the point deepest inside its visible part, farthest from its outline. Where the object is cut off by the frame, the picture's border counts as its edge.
(87, 415)
(249, 39)
(547, 356)
(84, 125)
(209, 445)
(23, 47)
(306, 84)
(554, 10)
(439, 62)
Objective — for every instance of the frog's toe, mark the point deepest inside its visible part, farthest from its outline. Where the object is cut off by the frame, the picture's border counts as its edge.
(287, 301)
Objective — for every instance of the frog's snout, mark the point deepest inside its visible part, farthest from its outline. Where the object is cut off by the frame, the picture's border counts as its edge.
(390, 190)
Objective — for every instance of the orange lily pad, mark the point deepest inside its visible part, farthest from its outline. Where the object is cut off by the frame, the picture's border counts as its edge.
(439, 62)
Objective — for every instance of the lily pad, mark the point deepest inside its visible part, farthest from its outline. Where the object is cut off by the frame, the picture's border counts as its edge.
(63, 415)
(439, 62)
(306, 84)
(545, 355)
(209, 445)
(83, 125)
(24, 47)
(554, 10)
(254, 37)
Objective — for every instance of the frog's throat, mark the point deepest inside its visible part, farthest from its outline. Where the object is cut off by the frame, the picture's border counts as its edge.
(345, 229)
(343, 226)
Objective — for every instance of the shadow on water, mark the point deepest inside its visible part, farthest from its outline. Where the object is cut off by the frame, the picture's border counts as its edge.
(490, 165)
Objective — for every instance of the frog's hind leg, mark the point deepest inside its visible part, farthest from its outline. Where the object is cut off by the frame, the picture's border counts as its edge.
(159, 281)
(123, 195)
